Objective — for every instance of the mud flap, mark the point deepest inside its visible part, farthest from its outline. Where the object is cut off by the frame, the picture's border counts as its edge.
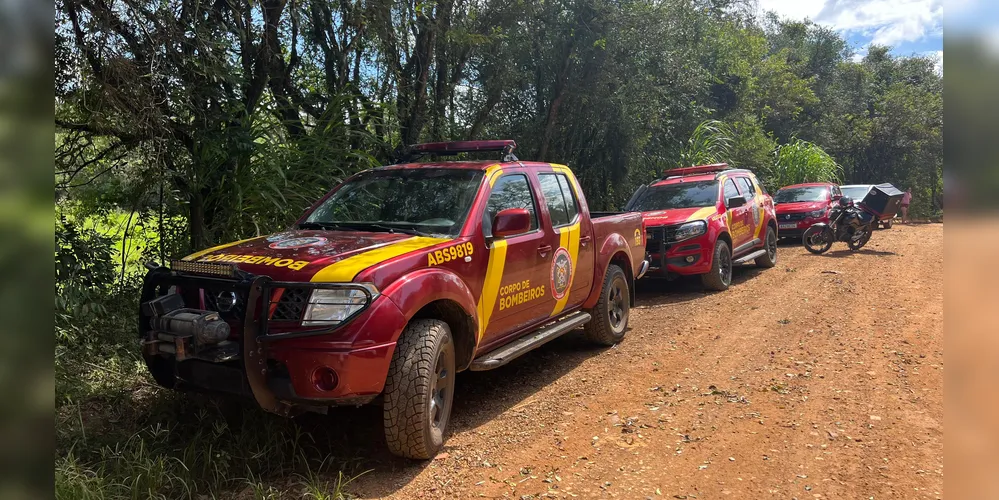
(255, 355)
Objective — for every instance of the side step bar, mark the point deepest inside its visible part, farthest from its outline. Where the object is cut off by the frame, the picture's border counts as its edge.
(515, 349)
(747, 258)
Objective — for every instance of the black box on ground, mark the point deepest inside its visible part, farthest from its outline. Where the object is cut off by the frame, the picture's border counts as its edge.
(882, 200)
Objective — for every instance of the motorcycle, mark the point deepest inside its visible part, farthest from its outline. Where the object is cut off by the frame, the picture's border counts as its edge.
(847, 223)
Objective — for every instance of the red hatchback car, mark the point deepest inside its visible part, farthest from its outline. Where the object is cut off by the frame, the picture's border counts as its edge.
(801, 205)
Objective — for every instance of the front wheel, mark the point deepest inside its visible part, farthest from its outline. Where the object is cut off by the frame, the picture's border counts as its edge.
(720, 276)
(419, 390)
(769, 259)
(610, 316)
(817, 239)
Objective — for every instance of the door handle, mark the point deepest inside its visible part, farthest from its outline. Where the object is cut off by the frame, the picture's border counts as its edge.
(583, 240)
(544, 249)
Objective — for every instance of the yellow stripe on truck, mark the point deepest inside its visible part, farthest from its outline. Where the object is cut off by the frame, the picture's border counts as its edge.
(206, 251)
(491, 284)
(345, 270)
(568, 239)
(703, 213)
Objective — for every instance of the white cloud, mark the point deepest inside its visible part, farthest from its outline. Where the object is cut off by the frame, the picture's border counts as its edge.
(886, 22)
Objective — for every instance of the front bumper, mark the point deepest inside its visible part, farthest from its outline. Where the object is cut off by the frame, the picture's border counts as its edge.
(688, 257)
(273, 361)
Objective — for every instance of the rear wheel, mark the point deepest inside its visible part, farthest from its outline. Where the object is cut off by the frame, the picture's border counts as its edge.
(817, 239)
(720, 276)
(419, 390)
(768, 259)
(610, 316)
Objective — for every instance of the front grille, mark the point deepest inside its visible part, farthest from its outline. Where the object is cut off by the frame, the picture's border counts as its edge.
(791, 217)
(657, 234)
(292, 304)
(234, 313)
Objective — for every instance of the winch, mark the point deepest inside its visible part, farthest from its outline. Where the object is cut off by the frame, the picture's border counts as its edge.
(185, 332)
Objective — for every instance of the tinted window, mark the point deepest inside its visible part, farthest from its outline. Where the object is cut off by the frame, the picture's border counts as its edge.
(746, 187)
(511, 191)
(856, 192)
(730, 190)
(570, 196)
(680, 195)
(800, 194)
(558, 209)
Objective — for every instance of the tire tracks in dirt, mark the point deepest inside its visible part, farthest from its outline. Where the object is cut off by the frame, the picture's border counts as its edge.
(819, 378)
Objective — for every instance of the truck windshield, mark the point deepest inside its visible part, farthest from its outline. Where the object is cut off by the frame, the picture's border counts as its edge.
(681, 195)
(799, 194)
(420, 201)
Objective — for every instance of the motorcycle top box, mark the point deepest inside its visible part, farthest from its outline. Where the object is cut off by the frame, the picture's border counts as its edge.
(882, 200)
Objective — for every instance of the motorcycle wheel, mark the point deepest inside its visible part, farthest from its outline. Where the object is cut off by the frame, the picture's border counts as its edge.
(858, 244)
(817, 239)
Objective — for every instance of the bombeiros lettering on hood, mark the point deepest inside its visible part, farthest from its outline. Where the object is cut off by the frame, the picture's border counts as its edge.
(262, 260)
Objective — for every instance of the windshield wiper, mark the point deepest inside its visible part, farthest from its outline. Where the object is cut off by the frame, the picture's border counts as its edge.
(360, 226)
(322, 225)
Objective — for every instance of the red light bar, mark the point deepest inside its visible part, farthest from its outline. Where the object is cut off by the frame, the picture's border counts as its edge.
(700, 169)
(464, 146)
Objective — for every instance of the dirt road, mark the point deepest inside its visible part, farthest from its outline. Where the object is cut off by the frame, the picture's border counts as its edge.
(820, 378)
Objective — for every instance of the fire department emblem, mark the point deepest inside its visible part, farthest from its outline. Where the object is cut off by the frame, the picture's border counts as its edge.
(561, 273)
(309, 241)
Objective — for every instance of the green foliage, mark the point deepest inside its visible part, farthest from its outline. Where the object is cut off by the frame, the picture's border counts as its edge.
(800, 161)
(711, 142)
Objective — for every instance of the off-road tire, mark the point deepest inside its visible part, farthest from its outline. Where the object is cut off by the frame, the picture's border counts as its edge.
(408, 415)
(610, 315)
(768, 259)
(718, 279)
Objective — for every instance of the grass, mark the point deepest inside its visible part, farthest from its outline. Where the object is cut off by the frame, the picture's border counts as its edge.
(152, 443)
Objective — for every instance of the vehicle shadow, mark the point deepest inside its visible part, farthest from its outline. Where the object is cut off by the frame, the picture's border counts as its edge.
(838, 254)
(479, 397)
(656, 292)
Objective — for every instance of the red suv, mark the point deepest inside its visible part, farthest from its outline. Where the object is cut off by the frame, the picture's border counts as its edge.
(801, 205)
(704, 220)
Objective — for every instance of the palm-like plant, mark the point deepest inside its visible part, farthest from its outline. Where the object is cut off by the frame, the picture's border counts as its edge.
(801, 161)
(711, 142)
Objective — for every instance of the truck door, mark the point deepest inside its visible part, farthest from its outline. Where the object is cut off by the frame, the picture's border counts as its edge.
(754, 207)
(738, 225)
(571, 269)
(515, 284)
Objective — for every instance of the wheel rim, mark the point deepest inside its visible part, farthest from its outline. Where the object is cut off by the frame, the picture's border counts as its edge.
(440, 389)
(725, 266)
(771, 245)
(617, 308)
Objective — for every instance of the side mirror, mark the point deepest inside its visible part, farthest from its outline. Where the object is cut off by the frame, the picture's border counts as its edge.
(510, 222)
(735, 202)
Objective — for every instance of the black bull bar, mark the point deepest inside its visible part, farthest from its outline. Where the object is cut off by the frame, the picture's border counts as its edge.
(253, 322)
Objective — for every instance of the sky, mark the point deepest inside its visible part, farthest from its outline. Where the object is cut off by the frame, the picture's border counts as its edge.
(909, 26)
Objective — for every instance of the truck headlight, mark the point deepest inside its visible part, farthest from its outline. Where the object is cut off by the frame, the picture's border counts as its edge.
(689, 230)
(817, 213)
(332, 306)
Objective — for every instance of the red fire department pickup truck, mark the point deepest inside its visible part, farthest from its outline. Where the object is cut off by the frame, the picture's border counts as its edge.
(397, 279)
(703, 220)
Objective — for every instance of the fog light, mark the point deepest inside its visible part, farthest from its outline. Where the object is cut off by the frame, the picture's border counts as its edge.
(325, 379)
(690, 258)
